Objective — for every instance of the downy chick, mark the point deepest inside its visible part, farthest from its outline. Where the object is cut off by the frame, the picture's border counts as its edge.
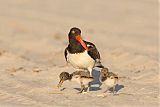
(83, 78)
(109, 79)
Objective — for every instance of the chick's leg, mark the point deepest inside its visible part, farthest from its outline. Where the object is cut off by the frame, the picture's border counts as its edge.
(82, 88)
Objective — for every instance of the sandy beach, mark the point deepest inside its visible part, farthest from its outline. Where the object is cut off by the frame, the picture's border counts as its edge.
(34, 34)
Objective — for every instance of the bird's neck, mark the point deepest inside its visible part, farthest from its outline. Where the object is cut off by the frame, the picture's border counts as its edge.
(75, 46)
(70, 76)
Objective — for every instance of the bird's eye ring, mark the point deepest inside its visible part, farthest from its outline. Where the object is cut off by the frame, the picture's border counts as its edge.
(73, 32)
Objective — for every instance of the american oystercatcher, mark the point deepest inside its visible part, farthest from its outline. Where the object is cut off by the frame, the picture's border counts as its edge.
(83, 78)
(109, 79)
(80, 53)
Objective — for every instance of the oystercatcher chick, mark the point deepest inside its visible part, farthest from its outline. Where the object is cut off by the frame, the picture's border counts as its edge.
(81, 54)
(109, 79)
(83, 78)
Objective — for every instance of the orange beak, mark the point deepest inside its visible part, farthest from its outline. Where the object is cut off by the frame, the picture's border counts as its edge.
(79, 39)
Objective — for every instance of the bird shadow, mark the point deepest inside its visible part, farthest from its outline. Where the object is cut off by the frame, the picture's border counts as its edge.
(79, 89)
(91, 89)
(95, 84)
(62, 89)
(118, 87)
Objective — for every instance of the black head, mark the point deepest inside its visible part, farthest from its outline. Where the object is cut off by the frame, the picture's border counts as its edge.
(75, 39)
(63, 77)
(74, 32)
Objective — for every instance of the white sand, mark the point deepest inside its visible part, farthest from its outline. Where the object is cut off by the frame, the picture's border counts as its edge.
(33, 35)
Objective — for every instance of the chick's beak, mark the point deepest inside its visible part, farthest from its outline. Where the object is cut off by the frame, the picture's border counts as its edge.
(60, 83)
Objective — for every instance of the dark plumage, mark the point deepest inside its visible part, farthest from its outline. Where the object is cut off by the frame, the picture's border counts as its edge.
(81, 54)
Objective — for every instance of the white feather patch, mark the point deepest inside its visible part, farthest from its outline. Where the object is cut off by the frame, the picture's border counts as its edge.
(110, 82)
(81, 60)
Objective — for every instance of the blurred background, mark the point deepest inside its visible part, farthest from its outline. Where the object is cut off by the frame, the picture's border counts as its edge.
(34, 34)
(37, 29)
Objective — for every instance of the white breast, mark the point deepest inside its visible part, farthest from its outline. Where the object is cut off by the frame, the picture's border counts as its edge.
(76, 79)
(81, 60)
(110, 82)
(86, 81)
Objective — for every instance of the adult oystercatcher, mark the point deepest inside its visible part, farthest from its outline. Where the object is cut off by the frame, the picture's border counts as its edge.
(80, 53)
